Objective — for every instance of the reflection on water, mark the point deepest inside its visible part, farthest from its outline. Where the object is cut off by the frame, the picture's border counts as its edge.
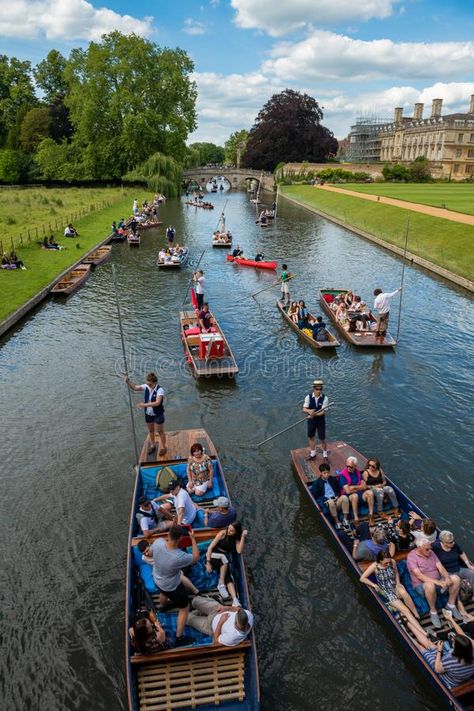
(67, 443)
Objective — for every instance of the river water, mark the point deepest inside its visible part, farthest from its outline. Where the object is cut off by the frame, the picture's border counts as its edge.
(67, 455)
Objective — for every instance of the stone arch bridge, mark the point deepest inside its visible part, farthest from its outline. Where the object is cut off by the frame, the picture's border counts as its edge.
(236, 177)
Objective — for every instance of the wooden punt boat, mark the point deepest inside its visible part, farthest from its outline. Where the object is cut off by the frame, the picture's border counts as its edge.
(72, 280)
(357, 338)
(179, 262)
(332, 341)
(460, 697)
(208, 354)
(224, 240)
(199, 204)
(118, 237)
(251, 262)
(149, 225)
(133, 239)
(203, 675)
(98, 256)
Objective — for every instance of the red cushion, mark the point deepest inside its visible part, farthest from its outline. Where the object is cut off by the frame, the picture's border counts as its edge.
(213, 329)
(193, 331)
(328, 298)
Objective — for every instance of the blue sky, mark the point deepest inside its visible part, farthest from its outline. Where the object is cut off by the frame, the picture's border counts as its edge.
(356, 57)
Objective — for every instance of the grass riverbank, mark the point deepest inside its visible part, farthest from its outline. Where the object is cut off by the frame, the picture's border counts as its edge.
(458, 197)
(18, 286)
(447, 244)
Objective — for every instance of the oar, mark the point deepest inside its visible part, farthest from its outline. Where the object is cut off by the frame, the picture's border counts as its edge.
(190, 283)
(289, 428)
(276, 283)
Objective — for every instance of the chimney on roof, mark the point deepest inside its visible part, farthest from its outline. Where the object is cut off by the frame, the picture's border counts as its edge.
(418, 112)
(471, 105)
(398, 114)
(436, 108)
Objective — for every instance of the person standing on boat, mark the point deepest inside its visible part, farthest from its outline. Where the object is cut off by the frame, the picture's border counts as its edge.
(315, 405)
(135, 207)
(170, 233)
(154, 410)
(382, 306)
(284, 279)
(199, 280)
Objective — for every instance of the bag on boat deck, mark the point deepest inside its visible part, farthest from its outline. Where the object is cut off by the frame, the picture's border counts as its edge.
(465, 591)
(164, 478)
(321, 334)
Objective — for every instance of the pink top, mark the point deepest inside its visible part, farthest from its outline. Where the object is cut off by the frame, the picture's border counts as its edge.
(425, 564)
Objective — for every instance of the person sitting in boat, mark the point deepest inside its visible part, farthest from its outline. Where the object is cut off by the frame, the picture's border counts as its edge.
(387, 583)
(153, 518)
(352, 484)
(341, 313)
(454, 665)
(359, 316)
(147, 635)
(222, 514)
(237, 252)
(71, 231)
(162, 255)
(259, 257)
(318, 327)
(199, 470)
(185, 507)
(368, 543)
(348, 299)
(327, 492)
(399, 533)
(376, 480)
(293, 311)
(423, 527)
(453, 557)
(302, 314)
(226, 544)
(205, 319)
(263, 219)
(428, 576)
(146, 549)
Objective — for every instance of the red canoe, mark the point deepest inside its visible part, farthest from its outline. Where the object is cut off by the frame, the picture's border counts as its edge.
(252, 262)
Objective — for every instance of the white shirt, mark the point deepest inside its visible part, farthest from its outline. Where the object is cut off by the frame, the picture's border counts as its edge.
(151, 397)
(183, 500)
(382, 302)
(147, 523)
(200, 285)
(230, 635)
(324, 406)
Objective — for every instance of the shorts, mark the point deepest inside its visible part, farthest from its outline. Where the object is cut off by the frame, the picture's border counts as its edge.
(157, 419)
(179, 596)
(285, 289)
(317, 424)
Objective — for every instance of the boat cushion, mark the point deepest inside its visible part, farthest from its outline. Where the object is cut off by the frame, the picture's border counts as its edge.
(198, 574)
(328, 298)
(419, 600)
(149, 477)
(192, 331)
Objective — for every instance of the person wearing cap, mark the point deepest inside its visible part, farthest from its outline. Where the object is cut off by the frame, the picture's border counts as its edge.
(382, 305)
(222, 515)
(315, 406)
(185, 507)
(153, 518)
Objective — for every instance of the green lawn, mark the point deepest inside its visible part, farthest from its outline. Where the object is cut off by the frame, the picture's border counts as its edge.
(448, 244)
(17, 286)
(458, 197)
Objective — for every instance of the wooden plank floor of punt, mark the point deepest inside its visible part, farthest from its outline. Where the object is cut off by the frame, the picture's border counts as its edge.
(191, 683)
(338, 453)
(178, 445)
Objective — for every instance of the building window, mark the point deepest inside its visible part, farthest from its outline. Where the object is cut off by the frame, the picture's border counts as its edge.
(460, 137)
(458, 153)
(456, 168)
(470, 153)
(468, 169)
(471, 138)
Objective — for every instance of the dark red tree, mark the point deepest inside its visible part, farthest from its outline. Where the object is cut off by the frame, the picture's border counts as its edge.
(288, 129)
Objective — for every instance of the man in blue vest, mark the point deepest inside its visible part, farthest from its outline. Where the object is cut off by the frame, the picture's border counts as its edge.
(315, 406)
(154, 410)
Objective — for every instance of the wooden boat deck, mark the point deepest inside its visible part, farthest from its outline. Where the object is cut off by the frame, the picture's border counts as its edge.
(332, 341)
(72, 280)
(178, 444)
(98, 256)
(357, 338)
(225, 365)
(174, 265)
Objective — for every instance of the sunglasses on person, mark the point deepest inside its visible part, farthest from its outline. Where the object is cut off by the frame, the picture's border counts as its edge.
(317, 387)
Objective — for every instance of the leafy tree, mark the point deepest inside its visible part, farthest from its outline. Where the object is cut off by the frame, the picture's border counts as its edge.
(49, 76)
(396, 172)
(419, 170)
(59, 161)
(236, 140)
(16, 91)
(129, 98)
(208, 153)
(35, 126)
(13, 166)
(160, 173)
(288, 129)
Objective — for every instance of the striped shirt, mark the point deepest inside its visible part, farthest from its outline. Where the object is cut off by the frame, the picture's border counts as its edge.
(455, 672)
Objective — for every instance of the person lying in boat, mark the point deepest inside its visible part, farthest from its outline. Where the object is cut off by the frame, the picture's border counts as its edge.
(221, 514)
(227, 625)
(429, 576)
(327, 492)
(376, 480)
(259, 257)
(237, 252)
(302, 314)
(205, 319)
(227, 543)
(454, 665)
(147, 635)
(146, 549)
(152, 517)
(352, 484)
(199, 470)
(368, 543)
(293, 311)
(387, 583)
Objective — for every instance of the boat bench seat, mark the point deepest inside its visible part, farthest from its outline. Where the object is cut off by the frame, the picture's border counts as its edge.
(463, 689)
(399, 556)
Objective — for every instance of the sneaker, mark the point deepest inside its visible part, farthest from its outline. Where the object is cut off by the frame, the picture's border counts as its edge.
(311, 457)
(435, 621)
(455, 612)
(345, 523)
(338, 526)
(325, 454)
(236, 602)
(184, 640)
(223, 591)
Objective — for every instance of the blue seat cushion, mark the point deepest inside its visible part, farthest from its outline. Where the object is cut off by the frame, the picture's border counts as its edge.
(419, 600)
(198, 575)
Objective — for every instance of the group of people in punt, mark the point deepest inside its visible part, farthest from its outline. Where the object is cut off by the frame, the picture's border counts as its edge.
(435, 562)
(171, 255)
(314, 326)
(354, 314)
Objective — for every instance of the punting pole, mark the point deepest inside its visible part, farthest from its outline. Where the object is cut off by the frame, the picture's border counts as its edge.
(222, 213)
(114, 277)
(403, 276)
(288, 428)
(293, 276)
(191, 281)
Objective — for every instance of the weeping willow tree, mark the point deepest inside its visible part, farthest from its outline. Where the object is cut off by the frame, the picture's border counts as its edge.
(160, 173)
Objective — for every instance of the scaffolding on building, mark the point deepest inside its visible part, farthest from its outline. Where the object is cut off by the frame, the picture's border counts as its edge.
(364, 139)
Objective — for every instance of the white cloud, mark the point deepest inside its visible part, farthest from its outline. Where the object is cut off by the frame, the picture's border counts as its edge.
(282, 16)
(329, 56)
(65, 20)
(194, 27)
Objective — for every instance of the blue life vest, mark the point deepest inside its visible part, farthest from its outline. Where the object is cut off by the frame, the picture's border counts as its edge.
(150, 396)
(316, 403)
